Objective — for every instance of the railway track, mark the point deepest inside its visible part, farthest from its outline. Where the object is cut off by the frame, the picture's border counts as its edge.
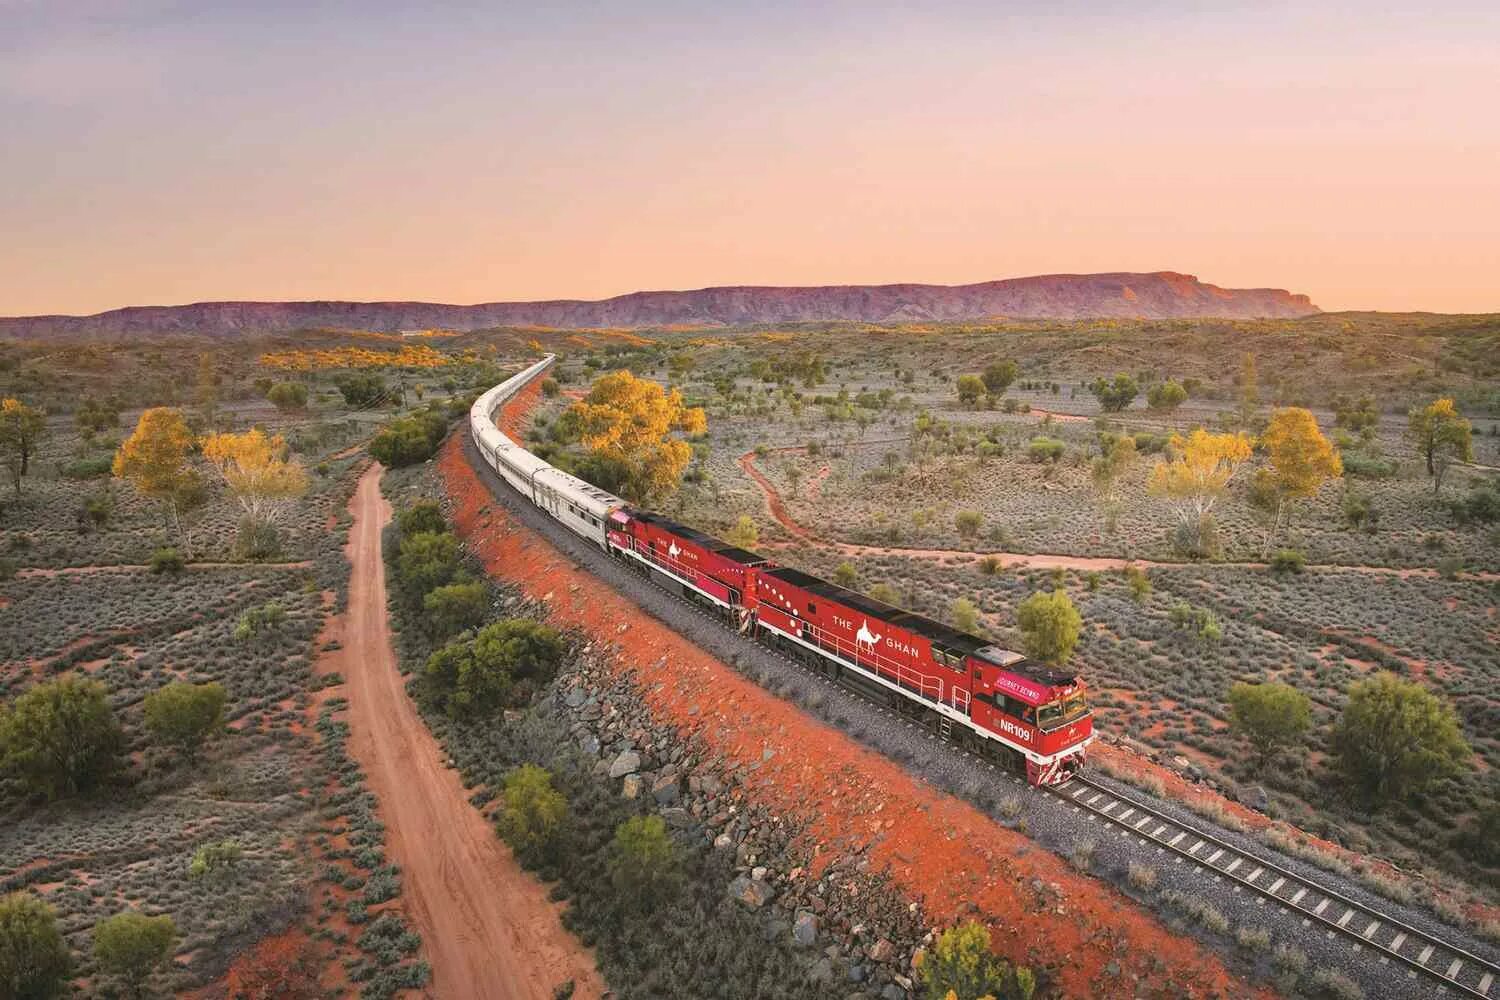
(1455, 969)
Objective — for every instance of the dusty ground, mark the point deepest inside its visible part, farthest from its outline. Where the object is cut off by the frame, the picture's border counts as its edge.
(936, 847)
(487, 927)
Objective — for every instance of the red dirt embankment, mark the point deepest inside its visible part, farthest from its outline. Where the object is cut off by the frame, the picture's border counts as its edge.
(487, 927)
(853, 800)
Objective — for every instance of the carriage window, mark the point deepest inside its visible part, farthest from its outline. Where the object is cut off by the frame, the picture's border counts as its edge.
(812, 608)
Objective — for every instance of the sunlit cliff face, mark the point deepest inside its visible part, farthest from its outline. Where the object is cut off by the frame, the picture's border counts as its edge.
(277, 153)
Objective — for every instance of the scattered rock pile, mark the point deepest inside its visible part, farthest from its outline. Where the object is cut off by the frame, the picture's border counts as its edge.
(855, 929)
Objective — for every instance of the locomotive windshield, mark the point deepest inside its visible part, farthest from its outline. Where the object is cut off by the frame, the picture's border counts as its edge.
(1063, 711)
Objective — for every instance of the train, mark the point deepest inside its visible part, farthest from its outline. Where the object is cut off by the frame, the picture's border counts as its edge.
(1032, 718)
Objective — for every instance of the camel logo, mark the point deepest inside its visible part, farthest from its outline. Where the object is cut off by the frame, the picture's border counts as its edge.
(673, 551)
(865, 637)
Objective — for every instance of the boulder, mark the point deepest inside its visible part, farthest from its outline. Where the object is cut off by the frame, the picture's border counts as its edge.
(805, 929)
(821, 972)
(666, 790)
(628, 762)
(576, 697)
(882, 951)
(631, 786)
(751, 892)
(1255, 797)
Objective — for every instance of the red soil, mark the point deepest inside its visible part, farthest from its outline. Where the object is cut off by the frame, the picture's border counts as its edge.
(936, 848)
(488, 928)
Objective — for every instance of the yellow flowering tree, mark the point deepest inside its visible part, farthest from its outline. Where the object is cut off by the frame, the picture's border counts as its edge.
(629, 424)
(155, 461)
(257, 471)
(20, 427)
(1194, 477)
(1301, 458)
(1442, 435)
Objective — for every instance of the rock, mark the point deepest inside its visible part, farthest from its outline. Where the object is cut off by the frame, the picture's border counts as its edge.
(627, 763)
(893, 992)
(677, 818)
(903, 982)
(666, 790)
(1255, 797)
(881, 951)
(805, 930)
(821, 972)
(723, 841)
(576, 697)
(857, 973)
(589, 744)
(631, 786)
(751, 892)
(710, 785)
(758, 873)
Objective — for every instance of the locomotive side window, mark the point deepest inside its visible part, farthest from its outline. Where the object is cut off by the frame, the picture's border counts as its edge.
(812, 608)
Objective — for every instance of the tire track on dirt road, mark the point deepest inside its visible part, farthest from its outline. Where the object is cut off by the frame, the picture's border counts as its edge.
(487, 927)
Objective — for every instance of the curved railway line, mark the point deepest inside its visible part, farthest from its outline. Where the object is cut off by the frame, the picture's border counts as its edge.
(1454, 967)
(1451, 967)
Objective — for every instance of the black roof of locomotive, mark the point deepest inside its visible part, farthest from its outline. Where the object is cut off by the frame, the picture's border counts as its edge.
(946, 636)
(709, 542)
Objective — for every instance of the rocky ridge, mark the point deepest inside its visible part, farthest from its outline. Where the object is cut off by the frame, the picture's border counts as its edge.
(1154, 295)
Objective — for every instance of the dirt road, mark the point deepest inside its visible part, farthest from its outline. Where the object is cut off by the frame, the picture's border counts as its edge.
(487, 927)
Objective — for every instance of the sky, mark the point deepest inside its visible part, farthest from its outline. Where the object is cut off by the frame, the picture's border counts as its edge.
(160, 152)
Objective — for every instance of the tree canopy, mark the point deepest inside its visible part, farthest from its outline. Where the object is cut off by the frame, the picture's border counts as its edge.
(970, 388)
(288, 396)
(1049, 625)
(631, 421)
(1272, 717)
(60, 738)
(155, 461)
(34, 959)
(998, 376)
(1115, 394)
(1301, 461)
(533, 809)
(131, 945)
(21, 426)
(500, 665)
(257, 471)
(643, 859)
(185, 716)
(1166, 396)
(1196, 475)
(1395, 739)
(1441, 435)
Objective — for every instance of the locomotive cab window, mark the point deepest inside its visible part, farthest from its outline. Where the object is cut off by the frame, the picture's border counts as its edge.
(1062, 711)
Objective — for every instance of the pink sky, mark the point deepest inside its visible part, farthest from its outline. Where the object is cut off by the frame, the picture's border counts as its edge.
(161, 152)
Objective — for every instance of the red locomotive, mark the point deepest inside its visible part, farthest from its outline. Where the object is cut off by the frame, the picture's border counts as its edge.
(994, 700)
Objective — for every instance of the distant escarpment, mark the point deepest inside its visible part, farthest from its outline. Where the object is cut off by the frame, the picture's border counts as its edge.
(1158, 295)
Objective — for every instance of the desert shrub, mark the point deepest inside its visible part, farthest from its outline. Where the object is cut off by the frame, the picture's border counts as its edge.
(213, 859)
(1141, 877)
(1114, 394)
(1049, 626)
(1139, 583)
(744, 533)
(1289, 958)
(260, 620)
(845, 575)
(167, 560)
(34, 960)
(256, 539)
(1335, 985)
(409, 440)
(1363, 466)
(1288, 561)
(1166, 396)
(1082, 854)
(990, 565)
(962, 963)
(643, 860)
(422, 516)
(501, 665)
(1396, 739)
(1449, 567)
(362, 390)
(60, 738)
(1199, 909)
(455, 607)
(965, 615)
(968, 523)
(1043, 449)
(533, 810)
(89, 468)
(1481, 506)
(426, 560)
(1272, 717)
(1253, 938)
(885, 593)
(288, 396)
(185, 716)
(550, 388)
(130, 946)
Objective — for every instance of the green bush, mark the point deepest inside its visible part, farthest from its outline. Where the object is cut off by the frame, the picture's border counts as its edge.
(1043, 449)
(60, 738)
(185, 716)
(212, 859)
(1288, 561)
(962, 962)
(1272, 717)
(288, 396)
(1395, 739)
(34, 960)
(1362, 466)
(1049, 626)
(131, 946)
(533, 810)
(167, 560)
(409, 440)
(643, 861)
(455, 607)
(256, 539)
(97, 467)
(426, 560)
(500, 666)
(422, 516)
